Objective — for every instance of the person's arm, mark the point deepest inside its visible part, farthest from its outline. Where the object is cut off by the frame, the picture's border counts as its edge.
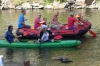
(38, 41)
(74, 20)
(23, 23)
(53, 20)
(41, 33)
(22, 20)
(18, 36)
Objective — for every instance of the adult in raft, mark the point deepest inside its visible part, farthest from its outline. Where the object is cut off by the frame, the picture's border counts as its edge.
(21, 21)
(71, 21)
(55, 23)
(37, 21)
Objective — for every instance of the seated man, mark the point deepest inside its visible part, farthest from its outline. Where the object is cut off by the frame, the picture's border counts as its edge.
(9, 35)
(54, 23)
(37, 21)
(21, 22)
(71, 21)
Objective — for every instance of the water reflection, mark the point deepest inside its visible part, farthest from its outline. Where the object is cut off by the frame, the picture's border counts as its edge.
(9, 54)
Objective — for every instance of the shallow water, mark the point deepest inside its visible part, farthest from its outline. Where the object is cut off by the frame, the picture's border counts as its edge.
(86, 55)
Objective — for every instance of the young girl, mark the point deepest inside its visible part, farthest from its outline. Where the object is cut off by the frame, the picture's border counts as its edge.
(45, 35)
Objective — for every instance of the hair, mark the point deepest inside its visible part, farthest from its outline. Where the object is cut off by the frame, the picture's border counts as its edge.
(39, 14)
(44, 18)
(9, 27)
(23, 10)
(71, 14)
(57, 12)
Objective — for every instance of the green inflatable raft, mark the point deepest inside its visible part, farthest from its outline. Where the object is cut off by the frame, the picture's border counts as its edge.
(32, 44)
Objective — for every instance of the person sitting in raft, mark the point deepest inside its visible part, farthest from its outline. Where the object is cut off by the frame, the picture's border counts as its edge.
(54, 23)
(71, 21)
(9, 35)
(79, 19)
(43, 22)
(21, 21)
(45, 35)
(37, 22)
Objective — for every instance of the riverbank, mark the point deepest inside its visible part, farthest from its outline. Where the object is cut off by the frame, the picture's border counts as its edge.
(54, 5)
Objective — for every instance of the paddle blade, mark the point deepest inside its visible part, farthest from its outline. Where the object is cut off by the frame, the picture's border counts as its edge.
(93, 33)
(58, 37)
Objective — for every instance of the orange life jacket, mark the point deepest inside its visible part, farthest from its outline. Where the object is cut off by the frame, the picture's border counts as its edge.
(79, 18)
(41, 23)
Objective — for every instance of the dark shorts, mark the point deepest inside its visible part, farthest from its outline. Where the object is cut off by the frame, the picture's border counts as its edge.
(70, 28)
(25, 26)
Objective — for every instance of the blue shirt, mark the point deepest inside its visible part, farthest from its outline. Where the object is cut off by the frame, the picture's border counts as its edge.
(9, 36)
(21, 20)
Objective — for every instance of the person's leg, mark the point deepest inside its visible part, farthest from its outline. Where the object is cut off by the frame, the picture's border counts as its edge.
(73, 27)
(28, 26)
(56, 27)
(16, 40)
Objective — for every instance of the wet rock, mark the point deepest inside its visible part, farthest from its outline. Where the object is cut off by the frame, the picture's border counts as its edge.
(27, 63)
(26, 5)
(63, 59)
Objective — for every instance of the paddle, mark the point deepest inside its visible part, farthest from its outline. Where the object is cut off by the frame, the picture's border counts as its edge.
(92, 33)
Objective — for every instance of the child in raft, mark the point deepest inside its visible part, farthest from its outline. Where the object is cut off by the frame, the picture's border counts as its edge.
(43, 22)
(79, 19)
(45, 34)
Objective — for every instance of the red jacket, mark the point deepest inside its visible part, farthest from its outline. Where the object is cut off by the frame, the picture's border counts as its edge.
(71, 21)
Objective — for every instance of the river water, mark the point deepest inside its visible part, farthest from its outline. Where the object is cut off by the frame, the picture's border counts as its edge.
(86, 54)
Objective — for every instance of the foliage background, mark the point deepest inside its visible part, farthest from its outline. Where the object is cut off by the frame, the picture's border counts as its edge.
(31, 1)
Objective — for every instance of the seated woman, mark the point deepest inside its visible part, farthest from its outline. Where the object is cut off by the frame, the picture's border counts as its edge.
(9, 35)
(45, 35)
